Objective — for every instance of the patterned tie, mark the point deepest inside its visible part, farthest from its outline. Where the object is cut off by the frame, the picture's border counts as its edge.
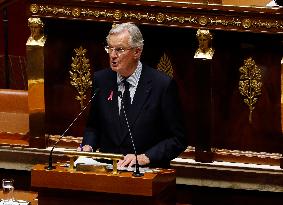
(126, 96)
(126, 101)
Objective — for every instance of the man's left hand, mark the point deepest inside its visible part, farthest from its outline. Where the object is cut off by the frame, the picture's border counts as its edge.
(130, 159)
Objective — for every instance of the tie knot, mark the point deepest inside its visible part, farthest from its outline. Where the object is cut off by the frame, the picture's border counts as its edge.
(126, 83)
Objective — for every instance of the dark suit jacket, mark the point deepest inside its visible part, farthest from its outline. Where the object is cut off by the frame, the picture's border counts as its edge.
(154, 117)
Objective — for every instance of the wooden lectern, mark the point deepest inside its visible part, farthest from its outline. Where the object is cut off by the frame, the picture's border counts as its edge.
(64, 186)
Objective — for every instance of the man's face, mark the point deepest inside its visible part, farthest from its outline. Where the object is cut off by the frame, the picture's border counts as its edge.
(123, 58)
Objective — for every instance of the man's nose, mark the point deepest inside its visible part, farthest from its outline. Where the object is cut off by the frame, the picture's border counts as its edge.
(113, 54)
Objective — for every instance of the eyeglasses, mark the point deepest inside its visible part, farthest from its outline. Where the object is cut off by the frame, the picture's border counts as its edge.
(118, 51)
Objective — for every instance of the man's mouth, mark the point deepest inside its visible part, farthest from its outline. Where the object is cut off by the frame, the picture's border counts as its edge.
(114, 63)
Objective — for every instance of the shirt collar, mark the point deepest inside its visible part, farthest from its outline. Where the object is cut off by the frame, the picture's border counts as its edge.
(132, 79)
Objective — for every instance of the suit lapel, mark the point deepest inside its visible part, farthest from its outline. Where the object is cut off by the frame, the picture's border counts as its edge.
(112, 98)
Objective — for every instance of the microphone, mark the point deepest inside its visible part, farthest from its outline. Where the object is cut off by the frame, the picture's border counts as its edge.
(50, 167)
(137, 172)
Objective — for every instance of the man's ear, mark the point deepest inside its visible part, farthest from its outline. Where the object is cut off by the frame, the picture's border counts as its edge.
(138, 52)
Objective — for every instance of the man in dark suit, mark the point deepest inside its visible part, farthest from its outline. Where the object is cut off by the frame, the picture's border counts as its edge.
(153, 114)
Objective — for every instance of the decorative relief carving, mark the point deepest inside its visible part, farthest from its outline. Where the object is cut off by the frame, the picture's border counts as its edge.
(80, 74)
(246, 23)
(202, 20)
(160, 17)
(165, 65)
(34, 8)
(250, 84)
(76, 12)
(196, 20)
(117, 15)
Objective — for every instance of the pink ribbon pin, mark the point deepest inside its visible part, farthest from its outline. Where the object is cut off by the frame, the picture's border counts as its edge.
(110, 96)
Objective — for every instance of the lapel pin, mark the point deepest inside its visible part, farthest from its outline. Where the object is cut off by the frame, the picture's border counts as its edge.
(110, 96)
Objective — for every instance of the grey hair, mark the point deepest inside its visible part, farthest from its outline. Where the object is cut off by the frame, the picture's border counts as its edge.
(136, 38)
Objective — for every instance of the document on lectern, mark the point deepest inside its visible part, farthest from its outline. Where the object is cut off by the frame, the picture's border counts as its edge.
(88, 161)
(83, 160)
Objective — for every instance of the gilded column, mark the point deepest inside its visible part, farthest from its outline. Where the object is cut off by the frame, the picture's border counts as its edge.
(35, 73)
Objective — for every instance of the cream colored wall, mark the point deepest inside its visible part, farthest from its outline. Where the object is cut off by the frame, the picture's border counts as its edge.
(246, 2)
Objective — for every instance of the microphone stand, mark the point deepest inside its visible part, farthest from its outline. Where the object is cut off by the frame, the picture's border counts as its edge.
(50, 167)
(137, 172)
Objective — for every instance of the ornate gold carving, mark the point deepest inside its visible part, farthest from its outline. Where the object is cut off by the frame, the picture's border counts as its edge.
(34, 8)
(80, 74)
(160, 17)
(246, 23)
(202, 20)
(118, 15)
(76, 12)
(250, 84)
(193, 19)
(37, 37)
(165, 65)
